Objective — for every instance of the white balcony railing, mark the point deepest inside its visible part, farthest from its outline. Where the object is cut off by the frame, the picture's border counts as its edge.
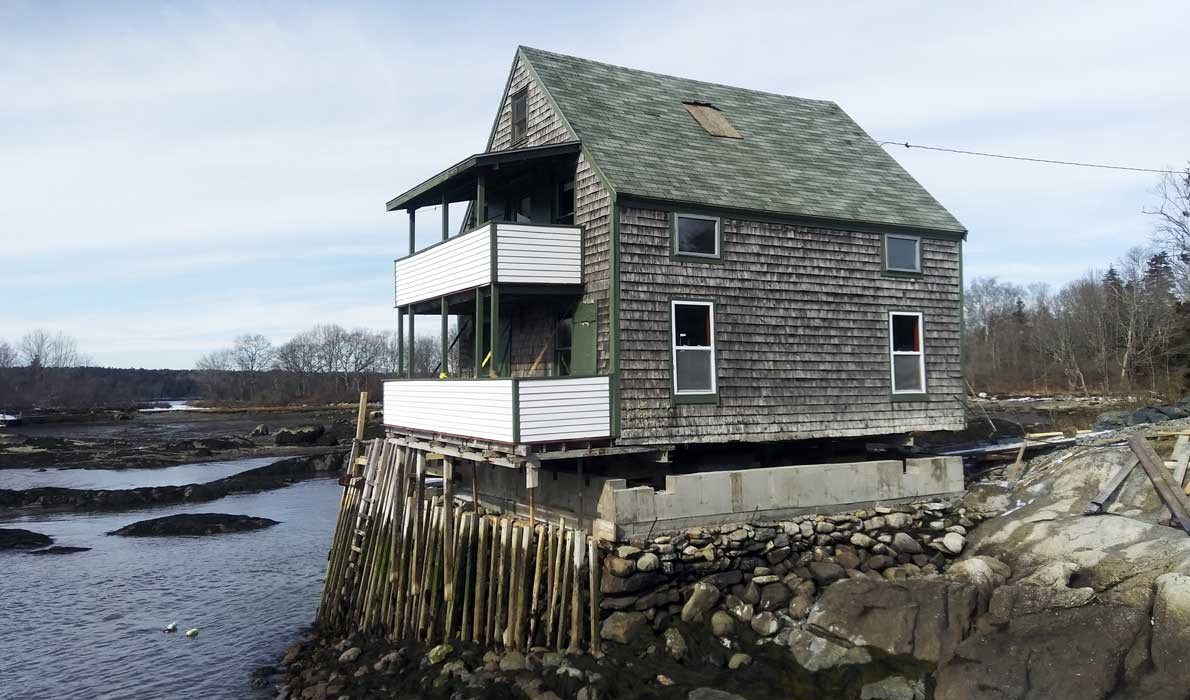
(513, 410)
(524, 254)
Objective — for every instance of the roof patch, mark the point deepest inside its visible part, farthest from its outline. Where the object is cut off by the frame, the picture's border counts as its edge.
(711, 119)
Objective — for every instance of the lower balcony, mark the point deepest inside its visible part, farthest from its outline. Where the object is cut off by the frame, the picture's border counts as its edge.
(514, 410)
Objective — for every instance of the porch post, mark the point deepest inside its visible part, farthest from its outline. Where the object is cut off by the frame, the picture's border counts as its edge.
(478, 326)
(493, 369)
(400, 342)
(445, 217)
(444, 365)
(481, 187)
(412, 230)
(412, 340)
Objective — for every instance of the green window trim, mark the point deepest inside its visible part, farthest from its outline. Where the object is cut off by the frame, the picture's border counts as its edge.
(900, 272)
(686, 256)
(694, 399)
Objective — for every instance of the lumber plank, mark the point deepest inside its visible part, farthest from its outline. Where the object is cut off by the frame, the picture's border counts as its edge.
(1174, 499)
(1099, 502)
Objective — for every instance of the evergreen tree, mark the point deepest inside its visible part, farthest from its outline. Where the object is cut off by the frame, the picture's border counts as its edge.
(1158, 279)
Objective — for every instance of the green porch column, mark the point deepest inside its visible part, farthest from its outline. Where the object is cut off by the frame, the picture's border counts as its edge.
(400, 342)
(412, 230)
(493, 366)
(445, 217)
(444, 363)
(478, 326)
(412, 340)
(481, 187)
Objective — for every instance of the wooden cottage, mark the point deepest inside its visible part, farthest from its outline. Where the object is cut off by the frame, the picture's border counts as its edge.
(660, 266)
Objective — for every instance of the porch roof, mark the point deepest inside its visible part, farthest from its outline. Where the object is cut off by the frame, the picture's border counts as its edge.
(457, 183)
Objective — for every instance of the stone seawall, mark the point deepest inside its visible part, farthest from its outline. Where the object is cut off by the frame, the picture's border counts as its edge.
(767, 574)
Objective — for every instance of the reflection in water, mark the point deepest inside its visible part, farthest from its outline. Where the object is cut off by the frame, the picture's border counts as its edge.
(180, 475)
(88, 625)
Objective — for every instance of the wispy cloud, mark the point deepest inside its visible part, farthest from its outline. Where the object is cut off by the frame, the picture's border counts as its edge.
(173, 175)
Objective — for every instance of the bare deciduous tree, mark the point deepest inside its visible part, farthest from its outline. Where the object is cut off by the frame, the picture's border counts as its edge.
(252, 352)
(40, 348)
(1171, 227)
(8, 356)
(217, 361)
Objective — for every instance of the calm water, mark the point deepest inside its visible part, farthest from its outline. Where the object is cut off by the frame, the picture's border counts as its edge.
(128, 478)
(88, 625)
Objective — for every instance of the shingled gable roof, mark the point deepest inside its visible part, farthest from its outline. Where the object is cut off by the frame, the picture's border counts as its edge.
(797, 157)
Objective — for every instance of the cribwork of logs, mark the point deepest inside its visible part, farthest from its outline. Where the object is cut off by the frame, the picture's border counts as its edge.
(407, 562)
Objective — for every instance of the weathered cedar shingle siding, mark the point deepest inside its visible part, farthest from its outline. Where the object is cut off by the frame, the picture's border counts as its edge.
(532, 341)
(801, 333)
(592, 200)
(544, 125)
(592, 211)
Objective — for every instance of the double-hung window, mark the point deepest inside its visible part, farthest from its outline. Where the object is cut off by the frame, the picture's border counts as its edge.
(902, 253)
(520, 116)
(693, 330)
(907, 352)
(696, 236)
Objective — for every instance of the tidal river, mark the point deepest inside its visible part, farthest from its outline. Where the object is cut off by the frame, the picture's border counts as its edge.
(89, 625)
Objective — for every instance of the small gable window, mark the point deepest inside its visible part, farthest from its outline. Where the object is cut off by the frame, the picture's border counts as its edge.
(520, 116)
(902, 253)
(696, 235)
(907, 350)
(711, 119)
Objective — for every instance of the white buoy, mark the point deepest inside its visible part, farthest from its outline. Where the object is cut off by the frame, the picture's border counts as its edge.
(171, 628)
(192, 632)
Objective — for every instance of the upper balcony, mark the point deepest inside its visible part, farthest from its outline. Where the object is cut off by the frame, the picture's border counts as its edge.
(493, 253)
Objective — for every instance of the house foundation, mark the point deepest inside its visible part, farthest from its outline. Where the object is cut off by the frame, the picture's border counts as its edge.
(616, 508)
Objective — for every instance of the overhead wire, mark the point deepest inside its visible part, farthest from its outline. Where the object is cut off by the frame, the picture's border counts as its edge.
(1031, 159)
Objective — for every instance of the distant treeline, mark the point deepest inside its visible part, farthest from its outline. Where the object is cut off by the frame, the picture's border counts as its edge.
(1125, 329)
(326, 364)
(22, 388)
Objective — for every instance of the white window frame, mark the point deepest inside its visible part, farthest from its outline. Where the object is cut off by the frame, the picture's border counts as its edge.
(893, 352)
(673, 342)
(916, 247)
(718, 236)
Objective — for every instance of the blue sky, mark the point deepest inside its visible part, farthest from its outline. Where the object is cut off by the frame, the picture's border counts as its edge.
(172, 176)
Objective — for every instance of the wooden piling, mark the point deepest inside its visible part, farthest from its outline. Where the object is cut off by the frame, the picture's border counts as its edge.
(534, 605)
(412, 565)
(502, 583)
(593, 584)
(564, 585)
(448, 540)
(479, 632)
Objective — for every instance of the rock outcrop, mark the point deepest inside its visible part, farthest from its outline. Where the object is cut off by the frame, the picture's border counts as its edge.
(17, 538)
(270, 476)
(923, 619)
(192, 524)
(60, 550)
(304, 435)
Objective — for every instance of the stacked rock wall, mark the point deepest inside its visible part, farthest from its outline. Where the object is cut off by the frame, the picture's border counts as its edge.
(767, 574)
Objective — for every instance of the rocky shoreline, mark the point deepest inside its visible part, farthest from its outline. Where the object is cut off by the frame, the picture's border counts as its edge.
(684, 615)
(276, 475)
(146, 441)
(1013, 593)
